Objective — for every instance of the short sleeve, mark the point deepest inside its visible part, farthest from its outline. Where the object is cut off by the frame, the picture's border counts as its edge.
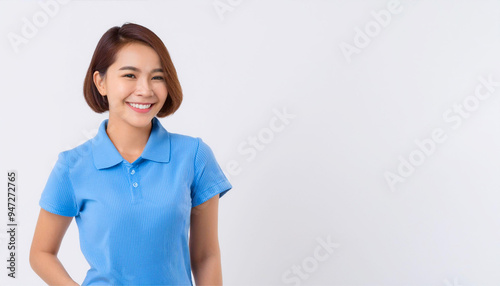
(209, 180)
(58, 195)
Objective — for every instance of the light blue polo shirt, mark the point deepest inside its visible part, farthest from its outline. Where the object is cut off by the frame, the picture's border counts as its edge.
(133, 218)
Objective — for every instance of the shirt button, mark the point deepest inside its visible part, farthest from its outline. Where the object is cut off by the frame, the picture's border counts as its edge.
(135, 185)
(132, 172)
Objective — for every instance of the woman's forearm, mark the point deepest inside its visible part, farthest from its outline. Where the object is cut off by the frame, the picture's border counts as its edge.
(207, 271)
(50, 269)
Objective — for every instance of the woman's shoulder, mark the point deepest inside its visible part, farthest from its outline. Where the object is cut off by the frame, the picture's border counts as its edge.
(187, 144)
(77, 154)
(183, 140)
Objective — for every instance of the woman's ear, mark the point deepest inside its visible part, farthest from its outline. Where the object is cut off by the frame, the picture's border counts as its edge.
(99, 82)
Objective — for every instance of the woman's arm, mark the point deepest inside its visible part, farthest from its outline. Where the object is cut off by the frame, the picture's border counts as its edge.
(50, 230)
(204, 243)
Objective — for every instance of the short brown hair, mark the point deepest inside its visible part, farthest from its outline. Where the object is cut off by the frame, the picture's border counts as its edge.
(105, 55)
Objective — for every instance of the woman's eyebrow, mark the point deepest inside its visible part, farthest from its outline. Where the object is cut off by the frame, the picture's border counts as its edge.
(138, 70)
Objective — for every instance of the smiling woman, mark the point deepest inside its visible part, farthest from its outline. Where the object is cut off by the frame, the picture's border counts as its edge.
(134, 87)
(113, 50)
(135, 183)
(137, 49)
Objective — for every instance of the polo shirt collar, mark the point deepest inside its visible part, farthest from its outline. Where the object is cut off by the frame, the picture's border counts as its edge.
(106, 155)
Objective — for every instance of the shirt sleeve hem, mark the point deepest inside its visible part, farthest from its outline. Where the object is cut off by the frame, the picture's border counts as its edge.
(48, 207)
(220, 188)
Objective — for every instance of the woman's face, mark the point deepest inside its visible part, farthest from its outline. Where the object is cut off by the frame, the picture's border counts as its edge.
(134, 85)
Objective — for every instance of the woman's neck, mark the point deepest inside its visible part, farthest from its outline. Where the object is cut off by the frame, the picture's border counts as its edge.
(129, 140)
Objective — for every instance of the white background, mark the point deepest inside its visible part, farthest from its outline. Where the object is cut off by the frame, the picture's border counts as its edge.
(322, 175)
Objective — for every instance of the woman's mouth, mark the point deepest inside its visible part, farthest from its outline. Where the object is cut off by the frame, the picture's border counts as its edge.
(139, 107)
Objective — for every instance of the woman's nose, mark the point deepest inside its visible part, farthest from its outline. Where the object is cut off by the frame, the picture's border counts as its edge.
(144, 87)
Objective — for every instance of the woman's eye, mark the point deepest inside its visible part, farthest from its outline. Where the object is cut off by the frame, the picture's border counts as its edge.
(129, 75)
(158, 77)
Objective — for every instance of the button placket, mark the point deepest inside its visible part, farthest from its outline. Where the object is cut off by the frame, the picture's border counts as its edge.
(134, 182)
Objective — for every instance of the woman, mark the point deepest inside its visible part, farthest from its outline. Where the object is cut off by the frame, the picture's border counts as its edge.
(135, 189)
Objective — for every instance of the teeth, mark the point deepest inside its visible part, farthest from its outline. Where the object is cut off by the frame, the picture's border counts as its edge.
(140, 106)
